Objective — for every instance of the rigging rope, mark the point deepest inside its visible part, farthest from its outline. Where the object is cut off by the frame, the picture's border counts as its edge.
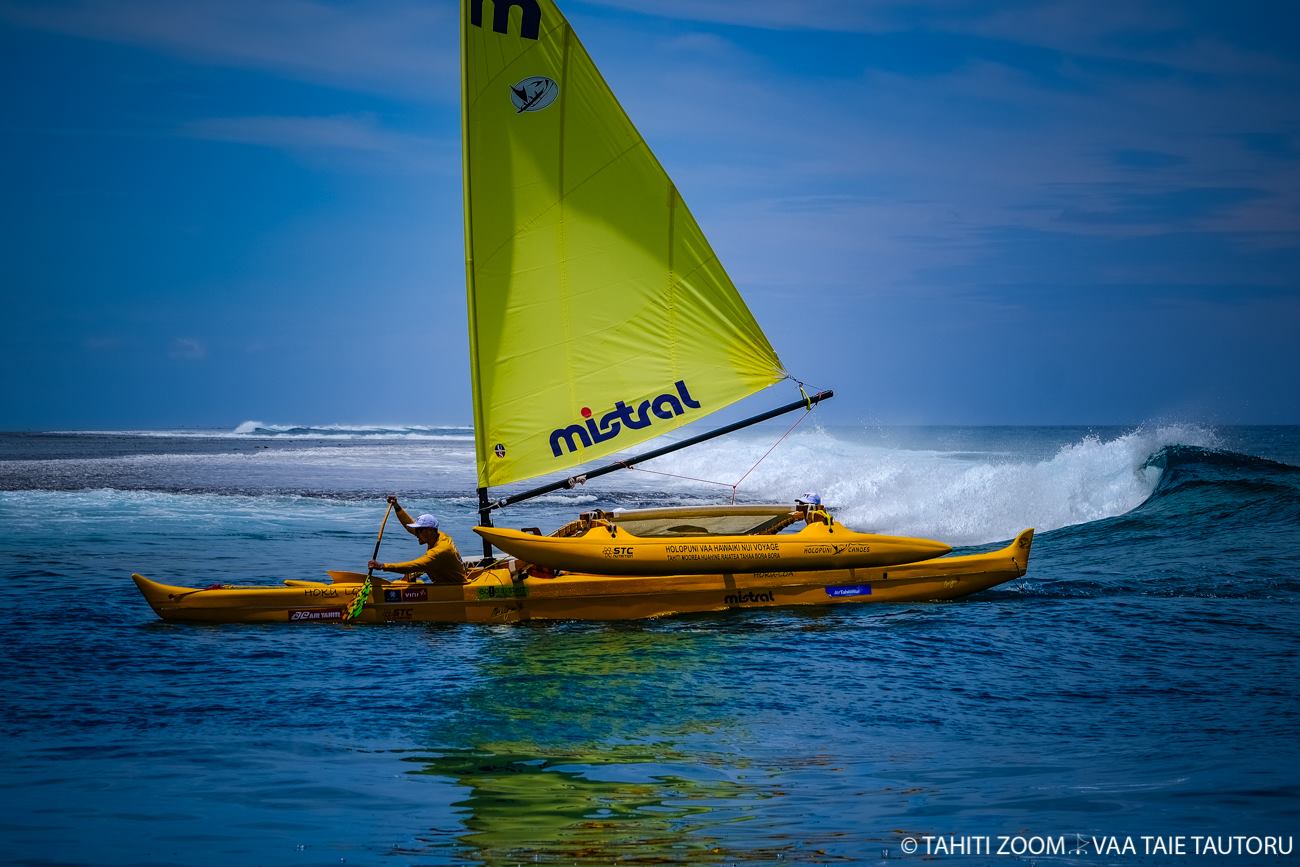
(788, 431)
(734, 485)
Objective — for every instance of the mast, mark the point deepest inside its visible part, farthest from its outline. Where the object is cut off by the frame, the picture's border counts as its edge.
(485, 517)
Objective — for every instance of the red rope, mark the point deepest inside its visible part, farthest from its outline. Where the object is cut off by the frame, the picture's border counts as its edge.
(679, 476)
(797, 422)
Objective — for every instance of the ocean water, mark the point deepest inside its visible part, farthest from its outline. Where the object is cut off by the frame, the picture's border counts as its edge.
(1143, 679)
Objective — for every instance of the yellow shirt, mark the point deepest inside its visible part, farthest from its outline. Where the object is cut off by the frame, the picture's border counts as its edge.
(441, 562)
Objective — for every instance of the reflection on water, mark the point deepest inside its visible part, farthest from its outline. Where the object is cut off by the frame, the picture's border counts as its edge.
(569, 750)
(644, 803)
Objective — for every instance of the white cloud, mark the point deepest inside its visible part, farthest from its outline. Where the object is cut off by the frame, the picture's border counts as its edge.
(839, 15)
(390, 46)
(103, 344)
(188, 349)
(349, 136)
(985, 145)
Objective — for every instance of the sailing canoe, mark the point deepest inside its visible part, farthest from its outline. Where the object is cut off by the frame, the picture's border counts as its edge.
(511, 592)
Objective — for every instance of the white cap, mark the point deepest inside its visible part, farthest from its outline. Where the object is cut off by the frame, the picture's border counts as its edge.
(812, 498)
(426, 522)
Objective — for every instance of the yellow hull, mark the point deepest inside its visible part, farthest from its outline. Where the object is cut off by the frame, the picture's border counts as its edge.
(503, 595)
(608, 550)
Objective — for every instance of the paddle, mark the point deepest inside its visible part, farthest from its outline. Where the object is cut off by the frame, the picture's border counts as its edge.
(376, 555)
(364, 595)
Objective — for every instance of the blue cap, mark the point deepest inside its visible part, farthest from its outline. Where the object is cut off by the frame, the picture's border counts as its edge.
(812, 498)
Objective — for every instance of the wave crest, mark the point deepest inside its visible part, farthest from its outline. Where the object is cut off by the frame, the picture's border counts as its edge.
(349, 431)
(962, 497)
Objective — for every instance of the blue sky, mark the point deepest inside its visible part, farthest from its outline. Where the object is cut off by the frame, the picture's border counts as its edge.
(951, 212)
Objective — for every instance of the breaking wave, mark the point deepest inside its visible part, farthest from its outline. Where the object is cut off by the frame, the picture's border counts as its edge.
(348, 431)
(961, 496)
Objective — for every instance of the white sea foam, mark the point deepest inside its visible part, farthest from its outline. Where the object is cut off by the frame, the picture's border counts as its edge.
(961, 497)
(105, 509)
(351, 431)
(252, 430)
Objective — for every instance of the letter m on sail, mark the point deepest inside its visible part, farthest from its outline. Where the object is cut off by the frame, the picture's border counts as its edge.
(532, 16)
(570, 436)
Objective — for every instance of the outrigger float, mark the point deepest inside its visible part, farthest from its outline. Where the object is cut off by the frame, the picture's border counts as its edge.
(599, 317)
(607, 548)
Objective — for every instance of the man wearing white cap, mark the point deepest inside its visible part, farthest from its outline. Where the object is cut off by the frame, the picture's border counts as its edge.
(441, 562)
(810, 504)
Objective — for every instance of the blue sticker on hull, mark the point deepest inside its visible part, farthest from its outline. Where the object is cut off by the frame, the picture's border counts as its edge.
(849, 590)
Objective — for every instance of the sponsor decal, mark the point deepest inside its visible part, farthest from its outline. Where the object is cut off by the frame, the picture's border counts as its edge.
(723, 552)
(850, 548)
(748, 597)
(773, 574)
(724, 548)
(530, 20)
(509, 591)
(611, 424)
(499, 450)
(304, 614)
(399, 613)
(406, 594)
(849, 590)
(617, 553)
(533, 93)
(325, 592)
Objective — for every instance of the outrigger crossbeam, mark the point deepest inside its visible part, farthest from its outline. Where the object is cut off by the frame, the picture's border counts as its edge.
(486, 505)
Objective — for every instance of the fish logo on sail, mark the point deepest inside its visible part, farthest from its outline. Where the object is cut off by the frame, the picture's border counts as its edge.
(611, 424)
(533, 93)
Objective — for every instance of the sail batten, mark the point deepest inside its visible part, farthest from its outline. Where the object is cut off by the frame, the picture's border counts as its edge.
(599, 314)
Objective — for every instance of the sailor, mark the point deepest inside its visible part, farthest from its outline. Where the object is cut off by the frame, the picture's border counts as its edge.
(441, 562)
(810, 504)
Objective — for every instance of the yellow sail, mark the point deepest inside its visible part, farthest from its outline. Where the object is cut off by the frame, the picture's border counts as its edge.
(599, 316)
